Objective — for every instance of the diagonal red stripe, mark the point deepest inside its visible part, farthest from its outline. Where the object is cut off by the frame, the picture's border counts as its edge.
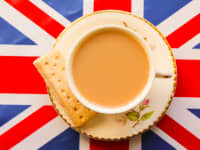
(99, 145)
(185, 32)
(26, 127)
(18, 75)
(112, 4)
(179, 133)
(188, 83)
(36, 15)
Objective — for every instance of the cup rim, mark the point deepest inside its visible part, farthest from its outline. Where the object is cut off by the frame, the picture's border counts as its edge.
(102, 109)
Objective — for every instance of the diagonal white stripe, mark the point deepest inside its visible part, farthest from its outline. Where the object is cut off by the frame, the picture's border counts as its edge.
(192, 42)
(186, 51)
(137, 7)
(179, 18)
(42, 135)
(168, 139)
(24, 25)
(51, 12)
(88, 6)
(178, 111)
(18, 118)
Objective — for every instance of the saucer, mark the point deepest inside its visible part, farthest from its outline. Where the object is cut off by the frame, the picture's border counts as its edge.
(149, 112)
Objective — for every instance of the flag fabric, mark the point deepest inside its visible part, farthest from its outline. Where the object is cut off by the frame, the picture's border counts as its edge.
(29, 28)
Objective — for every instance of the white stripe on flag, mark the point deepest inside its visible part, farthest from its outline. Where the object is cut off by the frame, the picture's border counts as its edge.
(25, 99)
(24, 50)
(188, 102)
(135, 143)
(24, 25)
(18, 118)
(88, 6)
(166, 138)
(186, 51)
(179, 18)
(183, 116)
(84, 143)
(42, 135)
(137, 7)
(192, 42)
(51, 12)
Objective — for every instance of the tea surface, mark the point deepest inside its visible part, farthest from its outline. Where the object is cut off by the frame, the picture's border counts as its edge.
(110, 68)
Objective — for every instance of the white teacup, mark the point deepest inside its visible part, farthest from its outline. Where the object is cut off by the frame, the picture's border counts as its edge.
(132, 103)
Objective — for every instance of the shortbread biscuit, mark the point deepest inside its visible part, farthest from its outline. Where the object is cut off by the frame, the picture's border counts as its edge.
(53, 70)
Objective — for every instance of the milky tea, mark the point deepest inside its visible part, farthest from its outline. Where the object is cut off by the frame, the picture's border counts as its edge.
(110, 68)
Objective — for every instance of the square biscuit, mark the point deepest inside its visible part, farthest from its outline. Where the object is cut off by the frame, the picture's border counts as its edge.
(52, 68)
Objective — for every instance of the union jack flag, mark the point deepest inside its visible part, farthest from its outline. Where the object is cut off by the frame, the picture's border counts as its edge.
(29, 28)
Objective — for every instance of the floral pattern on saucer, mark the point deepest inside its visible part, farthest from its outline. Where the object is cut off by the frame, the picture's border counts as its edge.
(137, 114)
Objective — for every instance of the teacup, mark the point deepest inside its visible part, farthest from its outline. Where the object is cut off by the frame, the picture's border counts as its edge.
(93, 105)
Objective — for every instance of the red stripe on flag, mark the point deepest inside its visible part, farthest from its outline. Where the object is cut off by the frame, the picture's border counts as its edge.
(36, 15)
(185, 32)
(118, 5)
(179, 133)
(26, 127)
(112, 4)
(188, 84)
(18, 75)
(99, 145)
